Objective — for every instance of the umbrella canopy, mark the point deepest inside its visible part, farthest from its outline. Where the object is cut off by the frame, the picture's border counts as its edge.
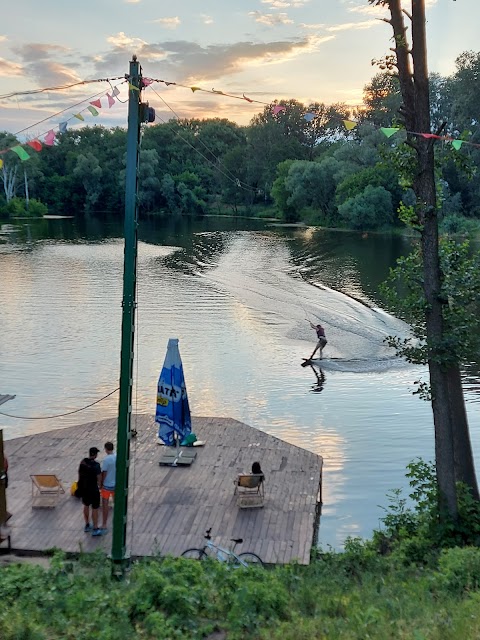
(173, 411)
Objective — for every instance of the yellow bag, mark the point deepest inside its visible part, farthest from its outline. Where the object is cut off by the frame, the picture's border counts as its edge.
(74, 489)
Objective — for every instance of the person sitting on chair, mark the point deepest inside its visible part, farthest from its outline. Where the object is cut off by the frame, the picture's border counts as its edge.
(257, 470)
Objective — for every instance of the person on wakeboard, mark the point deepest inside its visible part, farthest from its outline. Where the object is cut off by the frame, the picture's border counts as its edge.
(322, 341)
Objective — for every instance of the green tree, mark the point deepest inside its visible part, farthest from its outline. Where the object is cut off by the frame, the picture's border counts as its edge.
(88, 171)
(382, 99)
(11, 171)
(370, 209)
(312, 185)
(451, 427)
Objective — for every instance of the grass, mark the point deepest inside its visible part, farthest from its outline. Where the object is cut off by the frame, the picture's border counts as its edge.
(353, 595)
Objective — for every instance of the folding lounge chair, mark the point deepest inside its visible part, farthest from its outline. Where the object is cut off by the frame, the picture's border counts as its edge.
(250, 490)
(46, 490)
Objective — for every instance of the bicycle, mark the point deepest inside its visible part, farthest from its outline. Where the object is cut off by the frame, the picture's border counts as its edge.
(245, 559)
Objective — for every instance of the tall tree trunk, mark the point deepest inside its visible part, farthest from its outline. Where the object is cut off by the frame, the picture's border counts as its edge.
(424, 187)
(462, 447)
(27, 199)
(454, 460)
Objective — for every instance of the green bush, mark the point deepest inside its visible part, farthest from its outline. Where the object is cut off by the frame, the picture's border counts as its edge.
(459, 569)
(17, 207)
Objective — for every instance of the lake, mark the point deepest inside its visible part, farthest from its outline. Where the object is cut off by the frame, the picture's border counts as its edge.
(239, 294)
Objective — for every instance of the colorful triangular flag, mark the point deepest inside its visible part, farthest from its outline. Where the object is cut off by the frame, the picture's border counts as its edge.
(62, 127)
(50, 138)
(195, 89)
(456, 144)
(309, 117)
(389, 131)
(97, 103)
(79, 116)
(92, 110)
(277, 108)
(111, 101)
(349, 124)
(247, 99)
(35, 144)
(115, 92)
(21, 153)
(132, 87)
(1, 163)
(147, 81)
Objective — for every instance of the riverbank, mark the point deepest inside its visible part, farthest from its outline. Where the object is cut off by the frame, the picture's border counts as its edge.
(349, 596)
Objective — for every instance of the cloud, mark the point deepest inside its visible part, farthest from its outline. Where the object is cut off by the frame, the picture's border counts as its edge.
(122, 41)
(8, 68)
(168, 23)
(206, 19)
(382, 11)
(270, 19)
(348, 26)
(188, 62)
(313, 26)
(40, 62)
(284, 4)
(132, 1)
(2, 38)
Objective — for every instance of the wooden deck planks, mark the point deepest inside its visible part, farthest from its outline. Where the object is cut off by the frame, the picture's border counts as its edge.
(171, 508)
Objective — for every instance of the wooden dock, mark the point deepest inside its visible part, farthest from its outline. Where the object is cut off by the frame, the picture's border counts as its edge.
(171, 507)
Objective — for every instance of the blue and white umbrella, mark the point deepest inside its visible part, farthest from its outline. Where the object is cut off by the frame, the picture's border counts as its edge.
(173, 411)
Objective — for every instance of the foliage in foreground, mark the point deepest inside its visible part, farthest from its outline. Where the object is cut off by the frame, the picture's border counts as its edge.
(355, 594)
(412, 580)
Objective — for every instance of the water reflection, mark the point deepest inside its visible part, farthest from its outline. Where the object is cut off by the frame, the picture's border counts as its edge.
(319, 379)
(238, 295)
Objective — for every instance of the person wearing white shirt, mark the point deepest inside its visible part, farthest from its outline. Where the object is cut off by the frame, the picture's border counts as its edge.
(109, 464)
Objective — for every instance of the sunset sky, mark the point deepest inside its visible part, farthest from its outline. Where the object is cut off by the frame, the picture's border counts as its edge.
(311, 50)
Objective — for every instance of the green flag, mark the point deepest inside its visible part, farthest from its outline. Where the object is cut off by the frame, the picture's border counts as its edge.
(388, 131)
(21, 153)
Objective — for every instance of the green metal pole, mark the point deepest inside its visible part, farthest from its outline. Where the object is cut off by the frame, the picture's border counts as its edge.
(119, 533)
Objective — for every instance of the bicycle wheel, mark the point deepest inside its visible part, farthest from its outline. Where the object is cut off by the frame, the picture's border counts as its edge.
(251, 559)
(194, 554)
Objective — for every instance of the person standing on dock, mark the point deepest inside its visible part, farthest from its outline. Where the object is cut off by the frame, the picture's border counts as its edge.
(322, 340)
(89, 478)
(107, 485)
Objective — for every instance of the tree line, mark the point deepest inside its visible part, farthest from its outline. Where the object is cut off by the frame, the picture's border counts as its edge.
(280, 165)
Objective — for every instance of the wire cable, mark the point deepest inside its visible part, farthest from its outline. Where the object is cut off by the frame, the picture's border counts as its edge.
(59, 88)
(235, 181)
(233, 177)
(60, 415)
(59, 113)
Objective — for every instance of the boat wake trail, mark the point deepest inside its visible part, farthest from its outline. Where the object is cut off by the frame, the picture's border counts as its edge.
(256, 272)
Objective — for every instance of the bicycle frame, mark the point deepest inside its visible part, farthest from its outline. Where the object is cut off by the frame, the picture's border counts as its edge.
(210, 549)
(222, 554)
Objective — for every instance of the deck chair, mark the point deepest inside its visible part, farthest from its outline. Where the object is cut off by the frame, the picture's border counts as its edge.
(250, 490)
(46, 490)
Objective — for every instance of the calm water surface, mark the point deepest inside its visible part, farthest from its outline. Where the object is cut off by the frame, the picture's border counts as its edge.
(238, 295)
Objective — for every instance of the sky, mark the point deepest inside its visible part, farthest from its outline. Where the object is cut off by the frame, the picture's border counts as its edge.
(310, 50)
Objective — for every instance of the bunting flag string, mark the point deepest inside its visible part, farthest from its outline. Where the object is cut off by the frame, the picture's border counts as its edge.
(390, 131)
(50, 137)
(309, 116)
(275, 108)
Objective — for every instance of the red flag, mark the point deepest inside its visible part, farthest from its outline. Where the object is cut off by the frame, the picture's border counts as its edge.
(35, 144)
